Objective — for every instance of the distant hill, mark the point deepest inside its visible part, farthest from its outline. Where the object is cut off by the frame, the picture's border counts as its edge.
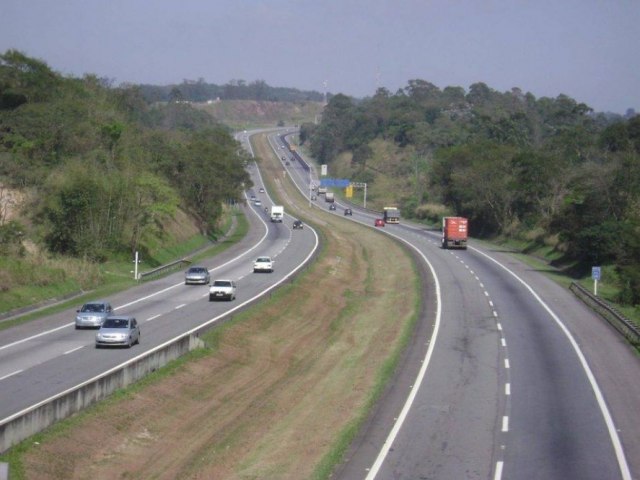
(241, 114)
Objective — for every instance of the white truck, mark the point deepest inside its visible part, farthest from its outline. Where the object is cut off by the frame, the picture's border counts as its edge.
(277, 213)
(329, 197)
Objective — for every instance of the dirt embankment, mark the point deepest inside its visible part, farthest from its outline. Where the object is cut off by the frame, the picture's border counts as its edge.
(274, 395)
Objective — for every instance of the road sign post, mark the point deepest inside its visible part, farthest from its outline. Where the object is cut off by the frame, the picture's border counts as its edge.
(596, 272)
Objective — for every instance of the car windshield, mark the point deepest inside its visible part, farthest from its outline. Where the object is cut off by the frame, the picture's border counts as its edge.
(93, 307)
(196, 270)
(221, 283)
(263, 259)
(115, 323)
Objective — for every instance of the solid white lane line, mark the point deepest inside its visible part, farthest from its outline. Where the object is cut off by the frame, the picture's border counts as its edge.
(375, 468)
(10, 374)
(46, 332)
(73, 350)
(613, 432)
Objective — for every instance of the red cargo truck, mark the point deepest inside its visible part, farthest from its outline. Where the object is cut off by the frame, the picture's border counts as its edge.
(454, 232)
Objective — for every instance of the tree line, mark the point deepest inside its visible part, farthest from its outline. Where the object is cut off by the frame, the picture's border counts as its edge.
(103, 167)
(548, 170)
(201, 91)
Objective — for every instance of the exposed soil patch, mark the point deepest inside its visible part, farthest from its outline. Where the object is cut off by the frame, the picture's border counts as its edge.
(274, 393)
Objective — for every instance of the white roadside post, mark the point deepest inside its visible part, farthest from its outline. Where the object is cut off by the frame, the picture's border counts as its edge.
(135, 268)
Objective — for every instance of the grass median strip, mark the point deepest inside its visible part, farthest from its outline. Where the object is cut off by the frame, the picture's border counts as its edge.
(278, 392)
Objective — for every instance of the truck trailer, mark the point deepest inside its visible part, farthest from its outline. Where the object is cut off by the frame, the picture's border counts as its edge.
(391, 215)
(329, 197)
(455, 231)
(277, 213)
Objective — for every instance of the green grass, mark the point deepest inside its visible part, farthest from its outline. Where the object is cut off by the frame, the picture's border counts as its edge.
(116, 276)
(540, 258)
(336, 454)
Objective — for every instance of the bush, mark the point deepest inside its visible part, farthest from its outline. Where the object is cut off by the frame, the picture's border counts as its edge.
(432, 212)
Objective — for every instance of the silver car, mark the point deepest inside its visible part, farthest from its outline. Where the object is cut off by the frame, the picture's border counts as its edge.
(118, 331)
(92, 314)
(197, 275)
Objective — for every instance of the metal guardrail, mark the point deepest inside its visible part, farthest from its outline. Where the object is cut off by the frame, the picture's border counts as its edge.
(163, 268)
(629, 330)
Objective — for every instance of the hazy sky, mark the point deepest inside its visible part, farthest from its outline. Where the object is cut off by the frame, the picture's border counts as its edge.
(587, 49)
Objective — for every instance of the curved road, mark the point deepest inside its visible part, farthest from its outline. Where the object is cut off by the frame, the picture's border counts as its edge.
(42, 358)
(512, 377)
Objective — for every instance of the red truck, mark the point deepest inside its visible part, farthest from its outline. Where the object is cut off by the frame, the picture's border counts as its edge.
(455, 231)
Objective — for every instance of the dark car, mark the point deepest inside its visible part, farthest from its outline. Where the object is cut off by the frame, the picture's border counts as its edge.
(332, 206)
(379, 222)
(347, 211)
(297, 225)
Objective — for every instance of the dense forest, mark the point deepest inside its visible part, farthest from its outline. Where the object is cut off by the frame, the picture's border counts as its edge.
(546, 170)
(101, 168)
(200, 91)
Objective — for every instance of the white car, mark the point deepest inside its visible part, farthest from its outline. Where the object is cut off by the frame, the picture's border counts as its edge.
(257, 203)
(220, 289)
(263, 264)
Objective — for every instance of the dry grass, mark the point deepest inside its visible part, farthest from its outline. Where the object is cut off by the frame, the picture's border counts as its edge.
(273, 396)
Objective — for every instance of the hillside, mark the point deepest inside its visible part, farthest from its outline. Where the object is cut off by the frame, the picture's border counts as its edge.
(91, 174)
(244, 114)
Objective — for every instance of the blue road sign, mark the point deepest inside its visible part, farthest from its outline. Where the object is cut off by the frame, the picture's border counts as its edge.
(595, 273)
(335, 182)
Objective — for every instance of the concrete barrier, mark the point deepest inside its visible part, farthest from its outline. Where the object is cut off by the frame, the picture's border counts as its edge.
(36, 418)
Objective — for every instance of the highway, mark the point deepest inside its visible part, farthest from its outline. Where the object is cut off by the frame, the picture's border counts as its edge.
(507, 376)
(513, 377)
(42, 358)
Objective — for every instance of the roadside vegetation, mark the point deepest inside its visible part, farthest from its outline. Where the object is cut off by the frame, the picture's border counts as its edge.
(91, 173)
(278, 392)
(547, 175)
